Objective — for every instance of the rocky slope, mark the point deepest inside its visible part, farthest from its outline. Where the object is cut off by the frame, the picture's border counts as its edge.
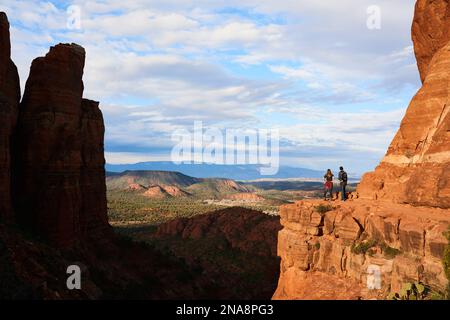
(354, 241)
(392, 231)
(416, 168)
(235, 248)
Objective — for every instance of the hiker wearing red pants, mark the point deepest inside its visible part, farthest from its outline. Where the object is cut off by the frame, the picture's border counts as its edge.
(328, 177)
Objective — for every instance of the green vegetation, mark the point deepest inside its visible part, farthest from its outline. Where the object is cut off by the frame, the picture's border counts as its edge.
(446, 262)
(410, 291)
(389, 252)
(366, 246)
(242, 273)
(363, 247)
(128, 206)
(322, 209)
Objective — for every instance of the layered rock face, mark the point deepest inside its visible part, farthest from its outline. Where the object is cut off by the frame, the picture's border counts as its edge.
(59, 177)
(430, 31)
(9, 101)
(360, 249)
(416, 168)
(393, 233)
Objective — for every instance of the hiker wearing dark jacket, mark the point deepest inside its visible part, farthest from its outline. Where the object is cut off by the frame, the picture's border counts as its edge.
(328, 177)
(343, 182)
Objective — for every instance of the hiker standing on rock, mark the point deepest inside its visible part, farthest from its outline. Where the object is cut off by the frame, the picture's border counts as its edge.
(343, 181)
(328, 177)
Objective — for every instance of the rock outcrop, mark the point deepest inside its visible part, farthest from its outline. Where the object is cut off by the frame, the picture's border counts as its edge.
(430, 31)
(391, 232)
(416, 168)
(59, 177)
(9, 101)
(372, 247)
(236, 249)
(244, 229)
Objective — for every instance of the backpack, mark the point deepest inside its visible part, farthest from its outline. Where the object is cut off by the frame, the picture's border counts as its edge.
(344, 176)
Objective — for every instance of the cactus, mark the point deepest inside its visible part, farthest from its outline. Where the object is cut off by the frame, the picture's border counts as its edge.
(409, 291)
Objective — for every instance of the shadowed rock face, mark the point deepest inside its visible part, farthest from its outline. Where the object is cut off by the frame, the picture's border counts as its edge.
(416, 168)
(59, 170)
(9, 101)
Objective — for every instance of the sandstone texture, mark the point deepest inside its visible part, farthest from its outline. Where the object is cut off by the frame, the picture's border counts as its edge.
(416, 167)
(59, 176)
(247, 230)
(402, 244)
(9, 102)
(430, 31)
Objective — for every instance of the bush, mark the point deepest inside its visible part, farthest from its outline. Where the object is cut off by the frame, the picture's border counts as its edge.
(322, 209)
(410, 291)
(363, 247)
(389, 252)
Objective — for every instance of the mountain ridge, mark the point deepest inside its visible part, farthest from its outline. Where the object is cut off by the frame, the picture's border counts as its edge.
(235, 172)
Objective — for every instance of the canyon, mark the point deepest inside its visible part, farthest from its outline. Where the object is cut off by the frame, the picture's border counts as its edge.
(53, 206)
(393, 231)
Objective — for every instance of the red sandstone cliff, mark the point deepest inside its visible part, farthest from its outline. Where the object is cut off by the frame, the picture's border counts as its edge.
(9, 101)
(320, 257)
(416, 168)
(59, 175)
(394, 232)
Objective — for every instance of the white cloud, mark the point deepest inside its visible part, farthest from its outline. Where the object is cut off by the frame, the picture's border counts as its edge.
(234, 63)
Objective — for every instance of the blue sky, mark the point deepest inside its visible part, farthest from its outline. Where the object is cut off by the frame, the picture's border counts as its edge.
(335, 89)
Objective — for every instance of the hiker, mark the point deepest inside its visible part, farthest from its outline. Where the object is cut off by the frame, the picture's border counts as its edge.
(343, 182)
(328, 177)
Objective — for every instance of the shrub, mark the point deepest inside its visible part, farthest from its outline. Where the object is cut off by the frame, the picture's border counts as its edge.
(389, 252)
(363, 247)
(410, 291)
(322, 209)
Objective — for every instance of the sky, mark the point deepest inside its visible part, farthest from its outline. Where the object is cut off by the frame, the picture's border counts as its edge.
(333, 82)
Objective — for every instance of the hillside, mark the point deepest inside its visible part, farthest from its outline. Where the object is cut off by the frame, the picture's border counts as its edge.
(235, 248)
(163, 184)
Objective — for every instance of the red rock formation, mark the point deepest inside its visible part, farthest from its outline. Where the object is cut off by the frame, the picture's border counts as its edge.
(324, 247)
(9, 101)
(430, 31)
(245, 196)
(416, 168)
(244, 229)
(93, 215)
(59, 175)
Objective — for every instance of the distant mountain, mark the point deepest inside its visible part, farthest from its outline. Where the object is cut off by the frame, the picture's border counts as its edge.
(235, 172)
(165, 184)
(148, 178)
